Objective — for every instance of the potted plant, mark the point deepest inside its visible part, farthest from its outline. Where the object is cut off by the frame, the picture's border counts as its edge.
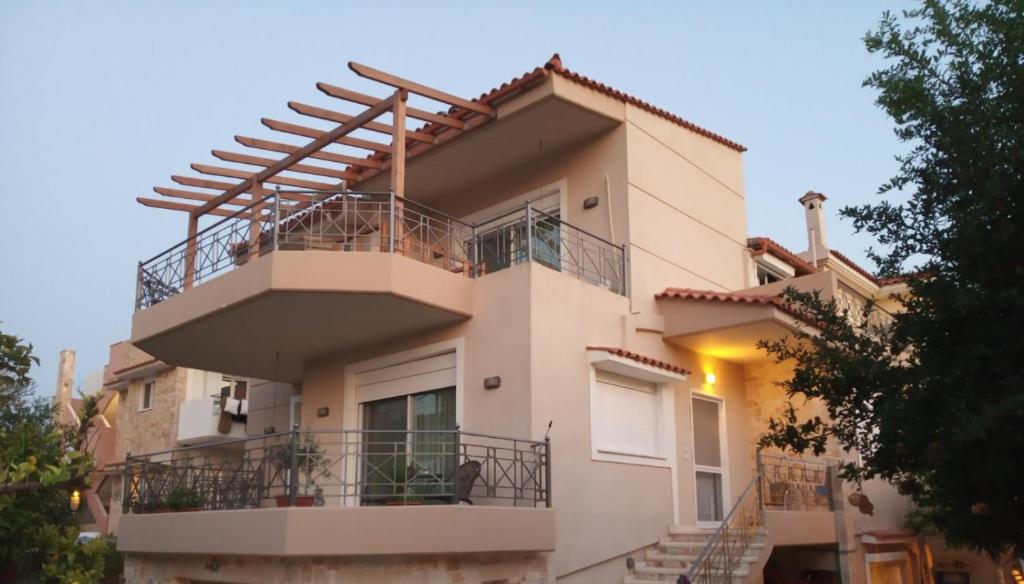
(185, 499)
(149, 504)
(311, 463)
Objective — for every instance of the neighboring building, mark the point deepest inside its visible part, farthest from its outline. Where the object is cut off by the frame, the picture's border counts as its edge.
(95, 504)
(163, 408)
(551, 286)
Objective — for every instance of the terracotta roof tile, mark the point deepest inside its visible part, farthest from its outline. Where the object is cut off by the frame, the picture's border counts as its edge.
(762, 245)
(136, 365)
(853, 265)
(554, 65)
(619, 352)
(762, 299)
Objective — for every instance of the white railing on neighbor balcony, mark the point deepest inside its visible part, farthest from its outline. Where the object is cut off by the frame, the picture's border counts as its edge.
(373, 222)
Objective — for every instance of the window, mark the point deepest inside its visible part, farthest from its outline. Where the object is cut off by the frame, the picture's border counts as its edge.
(626, 416)
(766, 276)
(146, 399)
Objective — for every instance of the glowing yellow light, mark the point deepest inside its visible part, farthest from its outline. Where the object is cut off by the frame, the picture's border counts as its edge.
(76, 500)
(710, 378)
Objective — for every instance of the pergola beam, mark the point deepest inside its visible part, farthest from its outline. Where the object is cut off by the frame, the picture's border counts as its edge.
(316, 145)
(298, 130)
(191, 209)
(363, 99)
(203, 183)
(333, 116)
(272, 146)
(250, 178)
(419, 89)
(198, 196)
(265, 162)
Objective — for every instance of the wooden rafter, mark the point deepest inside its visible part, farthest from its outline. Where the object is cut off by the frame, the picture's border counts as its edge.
(318, 143)
(249, 177)
(199, 196)
(419, 89)
(304, 131)
(272, 146)
(261, 161)
(363, 99)
(191, 209)
(417, 149)
(331, 115)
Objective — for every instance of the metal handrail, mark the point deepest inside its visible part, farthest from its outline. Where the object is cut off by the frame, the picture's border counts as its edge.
(342, 467)
(263, 226)
(723, 529)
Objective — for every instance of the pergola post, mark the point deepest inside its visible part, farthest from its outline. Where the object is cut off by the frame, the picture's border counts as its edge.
(190, 252)
(398, 168)
(256, 191)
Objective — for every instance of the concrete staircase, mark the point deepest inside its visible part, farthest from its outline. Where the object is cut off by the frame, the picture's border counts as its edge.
(675, 554)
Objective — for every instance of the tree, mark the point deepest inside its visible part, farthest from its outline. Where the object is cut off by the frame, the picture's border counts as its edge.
(934, 400)
(41, 463)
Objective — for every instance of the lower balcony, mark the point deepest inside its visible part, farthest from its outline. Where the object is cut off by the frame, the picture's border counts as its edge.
(342, 493)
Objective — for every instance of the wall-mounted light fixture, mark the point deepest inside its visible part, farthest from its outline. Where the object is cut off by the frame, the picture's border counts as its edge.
(492, 382)
(710, 378)
(75, 501)
(323, 412)
(590, 202)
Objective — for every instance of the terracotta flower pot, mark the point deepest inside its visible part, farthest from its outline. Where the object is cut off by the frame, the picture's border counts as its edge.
(300, 501)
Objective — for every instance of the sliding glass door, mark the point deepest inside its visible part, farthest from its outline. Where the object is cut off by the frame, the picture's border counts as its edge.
(408, 449)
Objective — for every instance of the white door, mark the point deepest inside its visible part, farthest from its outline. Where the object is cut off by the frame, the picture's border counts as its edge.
(709, 460)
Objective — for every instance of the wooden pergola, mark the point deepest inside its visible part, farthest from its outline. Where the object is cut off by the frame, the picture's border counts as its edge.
(227, 197)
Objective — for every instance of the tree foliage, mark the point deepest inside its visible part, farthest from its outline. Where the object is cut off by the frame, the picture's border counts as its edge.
(41, 463)
(935, 403)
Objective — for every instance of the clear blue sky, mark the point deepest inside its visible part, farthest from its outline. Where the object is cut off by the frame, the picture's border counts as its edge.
(100, 101)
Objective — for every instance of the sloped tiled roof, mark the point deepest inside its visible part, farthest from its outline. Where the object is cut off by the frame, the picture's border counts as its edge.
(643, 359)
(762, 245)
(712, 295)
(554, 66)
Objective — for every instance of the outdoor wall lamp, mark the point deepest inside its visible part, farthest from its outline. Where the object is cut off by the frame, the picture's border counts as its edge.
(590, 202)
(710, 378)
(75, 501)
(492, 382)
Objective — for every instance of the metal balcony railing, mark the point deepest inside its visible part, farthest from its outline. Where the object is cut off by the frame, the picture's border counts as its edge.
(781, 483)
(795, 484)
(374, 222)
(346, 468)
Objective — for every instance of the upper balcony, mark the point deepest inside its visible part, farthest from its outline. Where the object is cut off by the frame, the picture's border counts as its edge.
(275, 283)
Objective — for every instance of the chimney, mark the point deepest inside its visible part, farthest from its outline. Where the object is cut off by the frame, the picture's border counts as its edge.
(817, 238)
(65, 377)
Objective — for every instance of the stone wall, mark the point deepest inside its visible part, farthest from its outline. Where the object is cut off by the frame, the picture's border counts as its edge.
(154, 429)
(766, 400)
(464, 569)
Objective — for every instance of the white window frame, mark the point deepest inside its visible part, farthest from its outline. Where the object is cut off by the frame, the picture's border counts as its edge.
(152, 395)
(723, 444)
(352, 411)
(665, 416)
